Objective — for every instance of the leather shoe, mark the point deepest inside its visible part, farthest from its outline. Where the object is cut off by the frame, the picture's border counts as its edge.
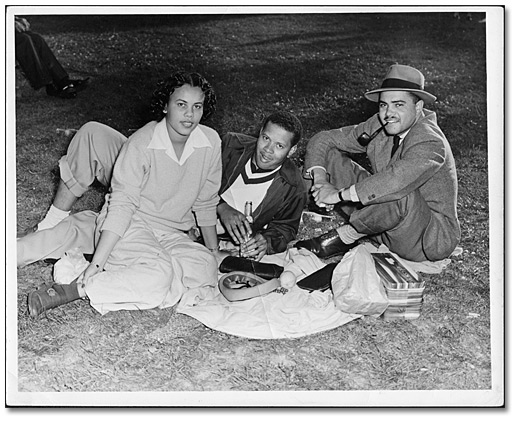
(320, 211)
(68, 91)
(80, 84)
(326, 245)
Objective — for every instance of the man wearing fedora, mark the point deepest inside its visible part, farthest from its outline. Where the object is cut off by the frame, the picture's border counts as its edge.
(409, 201)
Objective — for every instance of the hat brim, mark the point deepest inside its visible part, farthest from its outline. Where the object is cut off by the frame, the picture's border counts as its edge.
(423, 95)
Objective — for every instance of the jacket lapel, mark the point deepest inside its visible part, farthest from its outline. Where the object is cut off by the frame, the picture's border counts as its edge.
(382, 151)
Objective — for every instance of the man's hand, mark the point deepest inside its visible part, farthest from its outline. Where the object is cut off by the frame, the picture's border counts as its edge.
(319, 175)
(235, 223)
(325, 194)
(21, 24)
(255, 248)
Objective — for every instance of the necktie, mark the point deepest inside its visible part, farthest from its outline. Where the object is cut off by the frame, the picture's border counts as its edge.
(395, 146)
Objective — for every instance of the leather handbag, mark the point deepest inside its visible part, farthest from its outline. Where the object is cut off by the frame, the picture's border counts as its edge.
(319, 280)
(241, 264)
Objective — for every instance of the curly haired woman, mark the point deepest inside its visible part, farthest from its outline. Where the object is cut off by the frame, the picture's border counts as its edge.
(165, 182)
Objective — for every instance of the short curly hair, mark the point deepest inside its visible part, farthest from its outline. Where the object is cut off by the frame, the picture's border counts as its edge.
(287, 121)
(167, 86)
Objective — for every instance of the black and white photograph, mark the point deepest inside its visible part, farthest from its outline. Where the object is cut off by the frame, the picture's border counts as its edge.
(255, 206)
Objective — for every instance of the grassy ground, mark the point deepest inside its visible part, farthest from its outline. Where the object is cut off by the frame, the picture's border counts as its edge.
(317, 66)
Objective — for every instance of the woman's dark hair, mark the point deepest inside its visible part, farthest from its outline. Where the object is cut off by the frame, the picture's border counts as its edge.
(166, 87)
(287, 121)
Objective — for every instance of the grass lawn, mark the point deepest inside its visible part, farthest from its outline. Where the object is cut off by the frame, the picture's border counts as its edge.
(317, 66)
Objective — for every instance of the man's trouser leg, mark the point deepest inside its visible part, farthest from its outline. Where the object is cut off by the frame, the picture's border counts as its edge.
(37, 61)
(76, 230)
(344, 172)
(91, 155)
(408, 227)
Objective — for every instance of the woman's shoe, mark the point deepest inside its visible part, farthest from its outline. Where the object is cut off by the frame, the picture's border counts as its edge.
(46, 298)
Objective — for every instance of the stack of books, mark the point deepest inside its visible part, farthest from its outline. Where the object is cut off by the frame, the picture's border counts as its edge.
(403, 286)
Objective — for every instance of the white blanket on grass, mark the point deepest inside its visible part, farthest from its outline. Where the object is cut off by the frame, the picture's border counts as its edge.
(294, 314)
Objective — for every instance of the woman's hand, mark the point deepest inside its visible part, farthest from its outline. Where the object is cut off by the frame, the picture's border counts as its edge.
(255, 248)
(91, 270)
(235, 223)
(107, 241)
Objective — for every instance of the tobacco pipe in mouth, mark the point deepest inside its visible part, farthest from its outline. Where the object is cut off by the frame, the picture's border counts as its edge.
(364, 139)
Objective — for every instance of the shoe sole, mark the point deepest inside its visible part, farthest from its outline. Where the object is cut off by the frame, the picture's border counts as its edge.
(34, 300)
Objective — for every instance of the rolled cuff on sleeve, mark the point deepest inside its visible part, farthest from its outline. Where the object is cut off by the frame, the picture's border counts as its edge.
(308, 172)
(68, 178)
(206, 217)
(353, 194)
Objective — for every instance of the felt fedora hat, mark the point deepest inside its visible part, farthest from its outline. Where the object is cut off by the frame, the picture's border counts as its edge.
(402, 78)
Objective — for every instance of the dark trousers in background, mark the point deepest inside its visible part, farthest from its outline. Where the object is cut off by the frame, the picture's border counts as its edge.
(37, 61)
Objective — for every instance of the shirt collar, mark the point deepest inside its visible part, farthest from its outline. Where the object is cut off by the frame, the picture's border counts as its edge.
(252, 169)
(404, 134)
(161, 141)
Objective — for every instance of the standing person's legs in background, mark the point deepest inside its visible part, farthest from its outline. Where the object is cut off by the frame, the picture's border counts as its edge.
(42, 69)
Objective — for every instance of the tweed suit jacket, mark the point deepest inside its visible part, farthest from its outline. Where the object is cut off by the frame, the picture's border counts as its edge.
(424, 161)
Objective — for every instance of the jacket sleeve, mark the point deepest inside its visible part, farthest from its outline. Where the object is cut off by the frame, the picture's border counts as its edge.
(343, 139)
(283, 228)
(418, 162)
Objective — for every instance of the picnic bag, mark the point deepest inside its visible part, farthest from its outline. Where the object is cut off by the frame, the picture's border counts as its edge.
(356, 286)
(241, 264)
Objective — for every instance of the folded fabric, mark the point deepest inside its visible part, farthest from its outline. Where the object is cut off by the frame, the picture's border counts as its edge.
(278, 314)
(71, 264)
(241, 264)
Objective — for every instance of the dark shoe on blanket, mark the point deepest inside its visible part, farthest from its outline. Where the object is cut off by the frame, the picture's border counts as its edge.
(312, 207)
(241, 264)
(326, 245)
(319, 280)
(46, 298)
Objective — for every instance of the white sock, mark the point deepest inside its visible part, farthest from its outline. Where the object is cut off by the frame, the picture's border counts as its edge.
(52, 218)
(348, 234)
